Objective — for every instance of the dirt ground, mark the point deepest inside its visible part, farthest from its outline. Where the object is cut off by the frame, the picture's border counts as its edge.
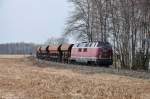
(23, 78)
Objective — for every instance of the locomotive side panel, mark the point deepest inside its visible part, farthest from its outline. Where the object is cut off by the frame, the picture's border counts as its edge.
(84, 54)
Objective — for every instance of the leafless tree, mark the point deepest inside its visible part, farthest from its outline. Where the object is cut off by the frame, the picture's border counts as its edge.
(124, 22)
(56, 41)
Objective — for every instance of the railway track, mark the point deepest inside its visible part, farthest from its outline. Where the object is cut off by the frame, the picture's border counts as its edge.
(85, 69)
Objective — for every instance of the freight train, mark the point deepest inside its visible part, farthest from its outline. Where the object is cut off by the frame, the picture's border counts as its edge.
(99, 53)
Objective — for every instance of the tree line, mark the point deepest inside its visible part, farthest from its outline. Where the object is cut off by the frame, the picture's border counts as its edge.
(124, 23)
(18, 48)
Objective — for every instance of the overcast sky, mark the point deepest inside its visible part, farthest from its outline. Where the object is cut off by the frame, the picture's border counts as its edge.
(32, 20)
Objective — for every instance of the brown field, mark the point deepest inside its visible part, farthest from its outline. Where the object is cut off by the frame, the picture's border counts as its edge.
(23, 78)
(13, 56)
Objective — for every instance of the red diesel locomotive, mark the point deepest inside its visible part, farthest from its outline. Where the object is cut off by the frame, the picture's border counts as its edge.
(99, 53)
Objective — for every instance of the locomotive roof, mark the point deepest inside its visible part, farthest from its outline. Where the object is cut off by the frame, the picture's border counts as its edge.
(92, 44)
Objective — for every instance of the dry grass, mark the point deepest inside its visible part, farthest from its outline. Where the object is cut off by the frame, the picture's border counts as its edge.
(22, 79)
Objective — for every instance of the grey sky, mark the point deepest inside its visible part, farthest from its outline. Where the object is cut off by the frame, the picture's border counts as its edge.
(32, 20)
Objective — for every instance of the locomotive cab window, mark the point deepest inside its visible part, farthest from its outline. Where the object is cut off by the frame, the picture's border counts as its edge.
(79, 50)
(85, 50)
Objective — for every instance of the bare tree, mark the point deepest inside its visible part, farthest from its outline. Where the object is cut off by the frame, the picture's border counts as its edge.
(56, 41)
(80, 23)
(124, 22)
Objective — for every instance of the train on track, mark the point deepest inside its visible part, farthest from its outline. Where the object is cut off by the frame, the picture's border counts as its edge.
(98, 53)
